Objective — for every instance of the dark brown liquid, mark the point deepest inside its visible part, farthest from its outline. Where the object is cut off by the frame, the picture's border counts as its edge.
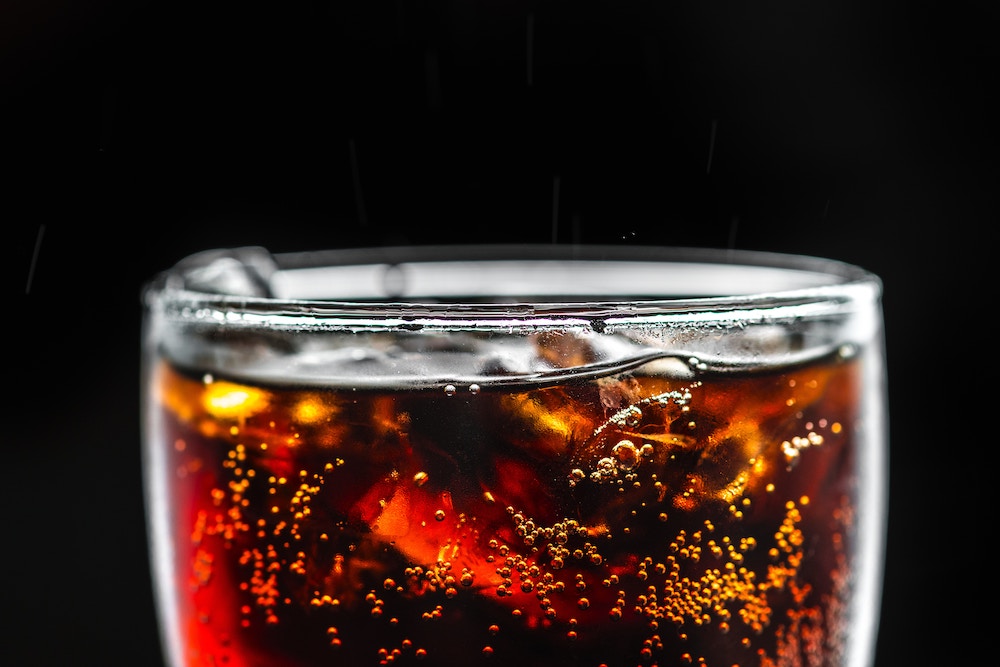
(627, 520)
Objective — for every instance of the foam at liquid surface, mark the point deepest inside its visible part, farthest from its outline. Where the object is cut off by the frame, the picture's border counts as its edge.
(413, 360)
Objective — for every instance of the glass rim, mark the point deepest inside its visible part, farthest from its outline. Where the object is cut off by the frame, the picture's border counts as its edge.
(377, 283)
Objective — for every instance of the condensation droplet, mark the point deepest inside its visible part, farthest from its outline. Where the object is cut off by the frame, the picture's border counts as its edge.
(474, 388)
(450, 390)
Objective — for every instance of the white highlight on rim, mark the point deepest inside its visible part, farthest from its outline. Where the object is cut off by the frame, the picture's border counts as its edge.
(514, 278)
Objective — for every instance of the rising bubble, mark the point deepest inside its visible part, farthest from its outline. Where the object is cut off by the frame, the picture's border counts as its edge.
(627, 454)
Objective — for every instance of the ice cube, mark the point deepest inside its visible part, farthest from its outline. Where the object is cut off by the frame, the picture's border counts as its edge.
(235, 272)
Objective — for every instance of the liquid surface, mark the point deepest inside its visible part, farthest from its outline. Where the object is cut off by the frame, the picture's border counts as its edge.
(646, 516)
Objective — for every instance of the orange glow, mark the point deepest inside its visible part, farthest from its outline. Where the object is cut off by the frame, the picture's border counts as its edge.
(225, 400)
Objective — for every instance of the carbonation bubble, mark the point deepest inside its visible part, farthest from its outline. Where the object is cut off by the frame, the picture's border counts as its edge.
(606, 470)
(474, 388)
(450, 390)
(627, 454)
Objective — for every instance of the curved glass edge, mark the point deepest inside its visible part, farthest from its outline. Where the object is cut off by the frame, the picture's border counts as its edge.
(873, 520)
(242, 286)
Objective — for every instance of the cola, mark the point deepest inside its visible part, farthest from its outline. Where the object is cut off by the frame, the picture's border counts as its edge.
(668, 512)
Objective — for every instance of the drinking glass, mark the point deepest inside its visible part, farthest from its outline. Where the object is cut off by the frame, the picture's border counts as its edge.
(538, 455)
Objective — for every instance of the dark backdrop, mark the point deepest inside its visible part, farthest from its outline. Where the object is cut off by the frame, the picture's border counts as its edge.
(134, 133)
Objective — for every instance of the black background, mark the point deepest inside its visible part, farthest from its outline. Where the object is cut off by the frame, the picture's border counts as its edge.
(134, 133)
